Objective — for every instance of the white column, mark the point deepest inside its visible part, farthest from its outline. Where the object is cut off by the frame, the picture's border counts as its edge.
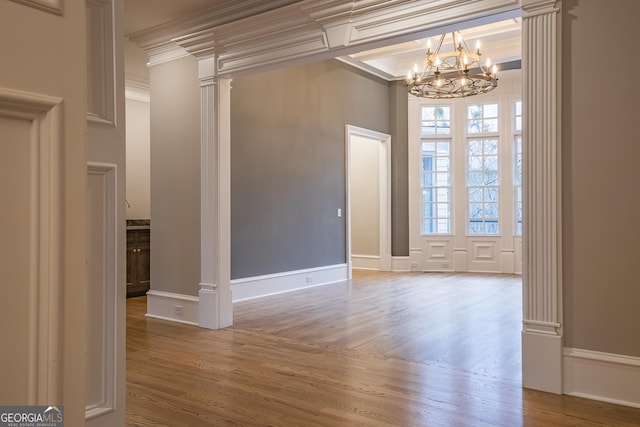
(215, 308)
(542, 250)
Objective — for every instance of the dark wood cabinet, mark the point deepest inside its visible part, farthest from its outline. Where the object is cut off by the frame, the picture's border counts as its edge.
(138, 260)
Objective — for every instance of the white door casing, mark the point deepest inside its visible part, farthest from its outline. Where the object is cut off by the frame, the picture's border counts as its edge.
(383, 142)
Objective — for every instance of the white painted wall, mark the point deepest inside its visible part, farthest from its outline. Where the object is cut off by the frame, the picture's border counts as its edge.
(365, 196)
(138, 158)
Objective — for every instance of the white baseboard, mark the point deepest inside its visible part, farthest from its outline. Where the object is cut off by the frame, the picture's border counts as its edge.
(174, 307)
(401, 263)
(365, 262)
(270, 284)
(600, 376)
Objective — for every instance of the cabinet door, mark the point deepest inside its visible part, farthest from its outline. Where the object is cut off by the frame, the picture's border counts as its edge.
(131, 266)
(131, 259)
(143, 245)
(144, 266)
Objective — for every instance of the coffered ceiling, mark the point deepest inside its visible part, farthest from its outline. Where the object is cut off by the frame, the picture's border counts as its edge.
(499, 41)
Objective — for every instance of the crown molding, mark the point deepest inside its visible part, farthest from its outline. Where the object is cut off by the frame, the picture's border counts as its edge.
(247, 35)
(51, 6)
(165, 52)
(137, 91)
(367, 68)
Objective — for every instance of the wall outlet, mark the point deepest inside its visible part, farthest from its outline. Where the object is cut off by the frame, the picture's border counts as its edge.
(177, 310)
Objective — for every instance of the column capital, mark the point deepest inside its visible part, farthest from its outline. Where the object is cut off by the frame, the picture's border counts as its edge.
(538, 7)
(207, 70)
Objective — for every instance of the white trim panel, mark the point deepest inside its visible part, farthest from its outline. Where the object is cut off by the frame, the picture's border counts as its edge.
(173, 307)
(271, 284)
(101, 93)
(600, 376)
(484, 254)
(102, 292)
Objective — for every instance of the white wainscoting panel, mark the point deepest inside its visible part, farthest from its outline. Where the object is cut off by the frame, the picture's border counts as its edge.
(483, 255)
(270, 284)
(606, 377)
(518, 255)
(173, 307)
(415, 259)
(460, 259)
(438, 254)
(102, 290)
(507, 261)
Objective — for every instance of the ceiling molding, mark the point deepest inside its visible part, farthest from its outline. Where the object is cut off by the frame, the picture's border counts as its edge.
(165, 52)
(246, 35)
(137, 91)
(366, 68)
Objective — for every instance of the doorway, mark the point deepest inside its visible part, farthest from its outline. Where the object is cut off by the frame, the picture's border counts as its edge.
(368, 204)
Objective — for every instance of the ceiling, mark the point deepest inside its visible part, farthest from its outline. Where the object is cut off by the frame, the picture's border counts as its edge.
(142, 14)
(500, 41)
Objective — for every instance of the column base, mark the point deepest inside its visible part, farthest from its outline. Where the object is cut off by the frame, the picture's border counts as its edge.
(542, 361)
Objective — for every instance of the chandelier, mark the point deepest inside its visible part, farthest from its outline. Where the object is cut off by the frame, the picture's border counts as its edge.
(454, 74)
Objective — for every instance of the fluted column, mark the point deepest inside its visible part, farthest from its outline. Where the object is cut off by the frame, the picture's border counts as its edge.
(215, 309)
(542, 243)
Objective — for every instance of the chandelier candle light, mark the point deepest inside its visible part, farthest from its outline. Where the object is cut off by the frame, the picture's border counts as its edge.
(447, 74)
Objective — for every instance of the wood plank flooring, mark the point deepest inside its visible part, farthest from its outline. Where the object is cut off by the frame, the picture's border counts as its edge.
(385, 349)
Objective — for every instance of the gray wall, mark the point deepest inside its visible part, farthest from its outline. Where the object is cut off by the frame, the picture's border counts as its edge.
(175, 177)
(398, 124)
(288, 163)
(601, 173)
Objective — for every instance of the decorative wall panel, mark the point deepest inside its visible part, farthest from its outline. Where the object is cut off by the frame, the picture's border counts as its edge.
(31, 266)
(101, 289)
(101, 110)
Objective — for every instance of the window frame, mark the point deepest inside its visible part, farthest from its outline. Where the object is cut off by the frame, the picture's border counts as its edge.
(517, 171)
(483, 137)
(436, 138)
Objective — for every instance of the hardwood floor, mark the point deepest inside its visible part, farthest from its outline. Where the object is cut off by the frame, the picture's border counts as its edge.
(385, 349)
